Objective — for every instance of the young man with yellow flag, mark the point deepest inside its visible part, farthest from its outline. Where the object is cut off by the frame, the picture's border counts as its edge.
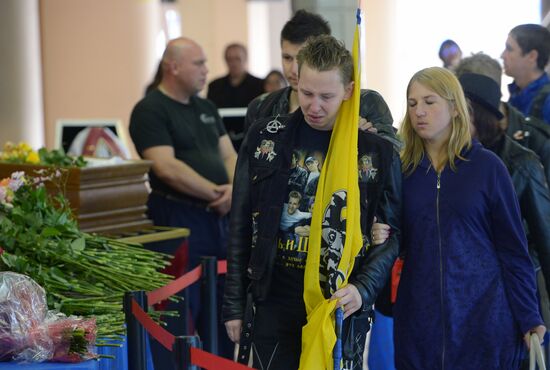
(284, 274)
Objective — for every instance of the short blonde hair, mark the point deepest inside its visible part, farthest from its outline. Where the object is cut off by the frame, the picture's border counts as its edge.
(324, 53)
(444, 83)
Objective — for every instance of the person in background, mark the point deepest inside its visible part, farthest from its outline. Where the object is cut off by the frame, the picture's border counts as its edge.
(373, 110)
(525, 57)
(274, 81)
(530, 132)
(235, 90)
(156, 80)
(450, 54)
(466, 269)
(238, 87)
(193, 162)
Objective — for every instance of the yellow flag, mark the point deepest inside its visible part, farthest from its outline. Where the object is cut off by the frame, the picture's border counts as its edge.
(337, 191)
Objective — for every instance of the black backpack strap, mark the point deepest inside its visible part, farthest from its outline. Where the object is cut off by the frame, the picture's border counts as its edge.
(538, 101)
(245, 343)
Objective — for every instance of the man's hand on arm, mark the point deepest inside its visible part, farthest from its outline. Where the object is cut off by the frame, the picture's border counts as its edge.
(365, 125)
(179, 175)
(222, 204)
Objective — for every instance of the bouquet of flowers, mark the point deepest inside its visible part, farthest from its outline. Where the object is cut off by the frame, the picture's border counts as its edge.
(83, 274)
(23, 153)
(20, 153)
(31, 333)
(73, 339)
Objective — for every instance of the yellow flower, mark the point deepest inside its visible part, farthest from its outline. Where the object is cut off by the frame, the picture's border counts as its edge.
(32, 157)
(24, 147)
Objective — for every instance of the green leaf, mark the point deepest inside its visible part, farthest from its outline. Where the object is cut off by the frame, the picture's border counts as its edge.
(62, 218)
(15, 263)
(49, 231)
(78, 245)
(58, 275)
(8, 259)
(58, 158)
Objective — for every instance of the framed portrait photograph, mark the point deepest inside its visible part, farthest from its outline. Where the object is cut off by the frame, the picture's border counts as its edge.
(99, 138)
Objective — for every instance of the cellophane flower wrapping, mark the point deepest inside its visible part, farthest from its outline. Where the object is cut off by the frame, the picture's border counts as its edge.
(31, 333)
(72, 339)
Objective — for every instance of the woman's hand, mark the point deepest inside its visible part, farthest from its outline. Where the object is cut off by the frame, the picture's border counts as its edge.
(379, 233)
(348, 298)
(539, 330)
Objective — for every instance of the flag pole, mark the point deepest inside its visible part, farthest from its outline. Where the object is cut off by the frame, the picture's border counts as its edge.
(339, 313)
(337, 352)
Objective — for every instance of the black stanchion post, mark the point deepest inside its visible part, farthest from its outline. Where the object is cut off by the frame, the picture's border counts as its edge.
(209, 304)
(182, 352)
(135, 333)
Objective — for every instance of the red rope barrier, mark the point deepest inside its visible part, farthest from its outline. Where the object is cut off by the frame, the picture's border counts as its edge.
(162, 293)
(222, 267)
(174, 287)
(198, 357)
(212, 362)
(159, 333)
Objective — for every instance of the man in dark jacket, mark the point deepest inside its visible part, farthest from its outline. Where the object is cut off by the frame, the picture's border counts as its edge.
(530, 132)
(264, 282)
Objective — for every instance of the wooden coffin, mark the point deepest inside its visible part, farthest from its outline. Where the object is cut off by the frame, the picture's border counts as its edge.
(105, 199)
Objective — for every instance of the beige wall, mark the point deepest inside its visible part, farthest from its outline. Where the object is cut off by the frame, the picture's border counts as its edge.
(21, 114)
(98, 56)
(266, 19)
(380, 57)
(214, 24)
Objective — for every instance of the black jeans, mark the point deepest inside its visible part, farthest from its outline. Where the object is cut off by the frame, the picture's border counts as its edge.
(277, 336)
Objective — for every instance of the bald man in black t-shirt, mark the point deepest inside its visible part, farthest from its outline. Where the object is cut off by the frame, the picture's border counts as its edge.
(193, 159)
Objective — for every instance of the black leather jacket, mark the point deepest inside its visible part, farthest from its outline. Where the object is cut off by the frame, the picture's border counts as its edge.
(531, 133)
(533, 195)
(259, 192)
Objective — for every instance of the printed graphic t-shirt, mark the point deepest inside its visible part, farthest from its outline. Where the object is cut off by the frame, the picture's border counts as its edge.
(309, 152)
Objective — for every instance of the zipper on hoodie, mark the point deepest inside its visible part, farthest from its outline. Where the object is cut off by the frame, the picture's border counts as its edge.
(440, 268)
